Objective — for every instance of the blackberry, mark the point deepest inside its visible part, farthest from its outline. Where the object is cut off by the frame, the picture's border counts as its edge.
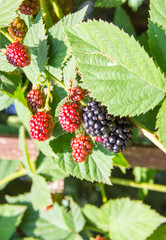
(96, 119)
(119, 135)
(36, 99)
(77, 94)
(17, 54)
(17, 29)
(81, 148)
(29, 7)
(70, 116)
(116, 132)
(41, 126)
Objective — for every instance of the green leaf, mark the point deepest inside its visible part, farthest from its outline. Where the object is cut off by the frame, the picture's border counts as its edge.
(96, 168)
(149, 119)
(157, 39)
(5, 101)
(10, 218)
(58, 51)
(135, 4)
(4, 64)
(109, 3)
(69, 72)
(7, 167)
(36, 40)
(48, 169)
(125, 219)
(127, 80)
(122, 20)
(9, 82)
(161, 123)
(26, 158)
(159, 234)
(8, 11)
(158, 12)
(41, 196)
(57, 223)
(3, 41)
(120, 160)
(143, 40)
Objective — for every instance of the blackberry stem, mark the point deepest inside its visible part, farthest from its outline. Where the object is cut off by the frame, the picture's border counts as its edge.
(7, 35)
(13, 176)
(57, 9)
(25, 85)
(49, 96)
(46, 14)
(103, 193)
(129, 183)
(49, 75)
(147, 133)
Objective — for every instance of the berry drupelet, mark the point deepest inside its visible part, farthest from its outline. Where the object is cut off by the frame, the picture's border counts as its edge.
(70, 116)
(36, 99)
(29, 7)
(41, 126)
(18, 55)
(81, 148)
(17, 29)
(113, 132)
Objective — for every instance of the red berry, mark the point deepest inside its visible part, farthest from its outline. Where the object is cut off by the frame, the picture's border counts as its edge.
(17, 29)
(77, 94)
(81, 148)
(98, 139)
(70, 116)
(36, 99)
(18, 55)
(29, 7)
(41, 126)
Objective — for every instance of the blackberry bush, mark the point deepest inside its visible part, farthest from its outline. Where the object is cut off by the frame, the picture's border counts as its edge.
(18, 55)
(108, 62)
(36, 99)
(17, 29)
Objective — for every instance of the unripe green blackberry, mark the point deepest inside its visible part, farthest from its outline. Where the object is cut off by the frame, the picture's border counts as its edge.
(17, 29)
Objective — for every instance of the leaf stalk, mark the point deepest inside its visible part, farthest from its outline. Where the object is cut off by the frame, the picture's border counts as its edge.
(57, 9)
(46, 14)
(7, 35)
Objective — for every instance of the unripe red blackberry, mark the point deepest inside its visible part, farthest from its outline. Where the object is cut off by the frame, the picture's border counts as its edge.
(99, 238)
(116, 132)
(81, 148)
(29, 7)
(36, 99)
(70, 116)
(18, 55)
(77, 94)
(41, 126)
(17, 29)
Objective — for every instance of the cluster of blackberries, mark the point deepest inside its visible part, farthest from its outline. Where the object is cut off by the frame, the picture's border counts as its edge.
(41, 124)
(116, 132)
(17, 54)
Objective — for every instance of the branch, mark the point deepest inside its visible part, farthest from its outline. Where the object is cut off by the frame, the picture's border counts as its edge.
(147, 133)
(57, 9)
(46, 14)
(13, 176)
(7, 35)
(130, 183)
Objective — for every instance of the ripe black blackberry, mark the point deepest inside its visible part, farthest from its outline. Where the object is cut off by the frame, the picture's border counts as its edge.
(96, 119)
(115, 131)
(119, 136)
